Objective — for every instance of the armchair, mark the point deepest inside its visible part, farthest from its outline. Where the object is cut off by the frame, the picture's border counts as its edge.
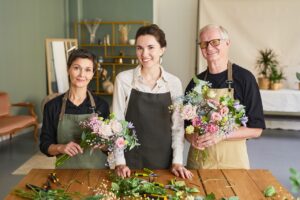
(10, 124)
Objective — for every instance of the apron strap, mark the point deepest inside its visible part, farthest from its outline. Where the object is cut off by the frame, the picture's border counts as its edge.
(93, 104)
(229, 76)
(64, 103)
(63, 107)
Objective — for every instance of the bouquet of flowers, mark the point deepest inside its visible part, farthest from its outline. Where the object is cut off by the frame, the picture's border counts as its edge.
(114, 134)
(208, 115)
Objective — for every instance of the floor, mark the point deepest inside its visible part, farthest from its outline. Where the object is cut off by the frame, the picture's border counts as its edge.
(276, 150)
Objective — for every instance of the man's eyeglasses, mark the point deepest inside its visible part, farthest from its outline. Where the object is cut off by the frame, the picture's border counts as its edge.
(214, 43)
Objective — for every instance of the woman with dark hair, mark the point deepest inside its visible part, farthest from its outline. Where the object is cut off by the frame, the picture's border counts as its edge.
(142, 96)
(60, 131)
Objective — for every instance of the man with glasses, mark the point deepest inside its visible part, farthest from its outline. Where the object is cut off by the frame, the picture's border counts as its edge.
(227, 79)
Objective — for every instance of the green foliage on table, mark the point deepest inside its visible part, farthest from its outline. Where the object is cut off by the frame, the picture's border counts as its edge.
(295, 180)
(41, 194)
(36, 193)
(270, 191)
(134, 187)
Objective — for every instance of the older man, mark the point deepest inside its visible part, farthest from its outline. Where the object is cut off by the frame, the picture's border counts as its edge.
(231, 79)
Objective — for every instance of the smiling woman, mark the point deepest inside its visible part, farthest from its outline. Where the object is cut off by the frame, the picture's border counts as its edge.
(60, 131)
(142, 96)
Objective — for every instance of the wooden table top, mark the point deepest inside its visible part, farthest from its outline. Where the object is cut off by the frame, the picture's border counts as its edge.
(246, 184)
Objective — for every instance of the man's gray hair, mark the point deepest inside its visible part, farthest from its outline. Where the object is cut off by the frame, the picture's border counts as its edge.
(223, 31)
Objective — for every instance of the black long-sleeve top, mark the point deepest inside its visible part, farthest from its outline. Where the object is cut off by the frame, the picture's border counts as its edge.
(51, 117)
(245, 89)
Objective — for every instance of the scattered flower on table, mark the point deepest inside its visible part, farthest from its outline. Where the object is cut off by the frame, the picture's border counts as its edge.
(207, 115)
(116, 135)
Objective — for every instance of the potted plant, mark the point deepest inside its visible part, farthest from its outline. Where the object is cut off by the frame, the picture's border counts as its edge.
(276, 76)
(298, 77)
(266, 59)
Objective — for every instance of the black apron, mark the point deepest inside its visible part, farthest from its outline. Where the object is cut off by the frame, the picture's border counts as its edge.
(151, 117)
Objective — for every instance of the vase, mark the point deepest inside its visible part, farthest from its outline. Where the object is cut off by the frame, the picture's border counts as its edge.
(276, 86)
(92, 28)
(263, 83)
(123, 30)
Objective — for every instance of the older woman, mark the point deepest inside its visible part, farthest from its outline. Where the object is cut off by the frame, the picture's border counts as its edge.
(60, 130)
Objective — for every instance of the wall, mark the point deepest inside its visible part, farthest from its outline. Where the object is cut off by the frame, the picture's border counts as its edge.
(26, 24)
(24, 27)
(113, 10)
(276, 30)
(178, 19)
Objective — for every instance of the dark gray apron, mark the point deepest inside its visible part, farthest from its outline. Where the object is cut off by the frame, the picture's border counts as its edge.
(151, 117)
(69, 130)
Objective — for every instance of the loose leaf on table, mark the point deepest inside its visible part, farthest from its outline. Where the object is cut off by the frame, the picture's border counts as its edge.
(269, 191)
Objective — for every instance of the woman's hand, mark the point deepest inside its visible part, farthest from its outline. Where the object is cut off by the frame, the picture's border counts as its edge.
(181, 171)
(102, 147)
(123, 171)
(71, 149)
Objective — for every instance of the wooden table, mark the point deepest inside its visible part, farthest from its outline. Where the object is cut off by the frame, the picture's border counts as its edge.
(246, 184)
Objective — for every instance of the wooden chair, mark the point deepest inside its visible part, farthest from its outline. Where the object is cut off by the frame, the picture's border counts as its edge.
(10, 124)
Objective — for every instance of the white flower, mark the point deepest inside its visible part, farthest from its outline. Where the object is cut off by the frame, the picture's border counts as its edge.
(116, 126)
(105, 130)
(198, 89)
(211, 94)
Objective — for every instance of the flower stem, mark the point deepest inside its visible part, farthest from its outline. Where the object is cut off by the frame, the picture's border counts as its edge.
(61, 159)
(204, 155)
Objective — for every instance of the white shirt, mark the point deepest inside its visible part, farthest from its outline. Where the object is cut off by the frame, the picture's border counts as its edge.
(124, 83)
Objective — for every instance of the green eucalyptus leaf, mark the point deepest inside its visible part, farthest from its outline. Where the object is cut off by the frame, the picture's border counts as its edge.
(269, 191)
(234, 198)
(191, 190)
(210, 196)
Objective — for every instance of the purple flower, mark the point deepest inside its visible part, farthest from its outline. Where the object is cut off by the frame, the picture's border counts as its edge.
(130, 125)
(244, 120)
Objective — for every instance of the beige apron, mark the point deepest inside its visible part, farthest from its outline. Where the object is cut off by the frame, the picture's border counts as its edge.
(226, 154)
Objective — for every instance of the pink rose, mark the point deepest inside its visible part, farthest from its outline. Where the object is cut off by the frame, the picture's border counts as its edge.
(211, 128)
(189, 112)
(214, 102)
(215, 117)
(196, 122)
(224, 111)
(116, 126)
(120, 142)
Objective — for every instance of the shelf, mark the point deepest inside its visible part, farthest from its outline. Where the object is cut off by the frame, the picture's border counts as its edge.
(105, 45)
(118, 50)
(103, 93)
(115, 23)
(119, 64)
